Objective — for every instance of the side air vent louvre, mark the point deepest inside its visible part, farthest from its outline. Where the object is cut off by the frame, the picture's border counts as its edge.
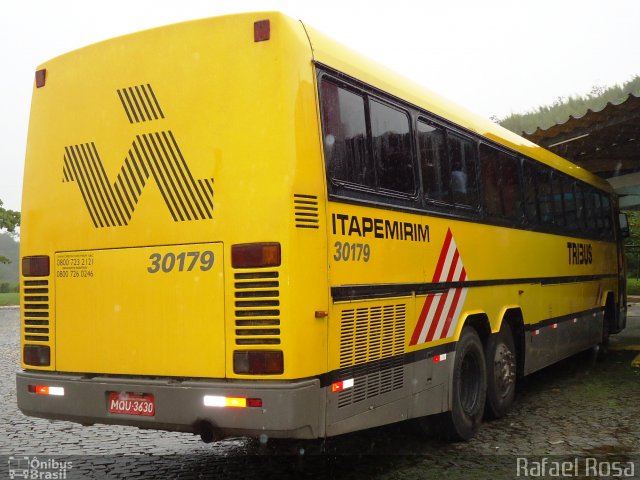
(371, 347)
(306, 211)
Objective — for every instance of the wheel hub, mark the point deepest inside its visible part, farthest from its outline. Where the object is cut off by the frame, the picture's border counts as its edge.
(504, 369)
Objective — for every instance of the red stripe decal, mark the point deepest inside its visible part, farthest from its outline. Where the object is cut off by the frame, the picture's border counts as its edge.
(448, 264)
(443, 256)
(454, 306)
(437, 317)
(423, 316)
(454, 264)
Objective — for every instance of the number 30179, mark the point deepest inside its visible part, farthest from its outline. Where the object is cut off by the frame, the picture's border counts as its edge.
(182, 262)
(351, 252)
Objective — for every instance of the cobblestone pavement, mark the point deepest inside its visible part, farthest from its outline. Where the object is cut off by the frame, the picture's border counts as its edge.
(576, 409)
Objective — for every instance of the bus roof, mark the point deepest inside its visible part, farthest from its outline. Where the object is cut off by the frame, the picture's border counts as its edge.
(332, 54)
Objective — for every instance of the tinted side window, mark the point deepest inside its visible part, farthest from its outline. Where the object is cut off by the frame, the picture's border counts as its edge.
(581, 211)
(392, 148)
(501, 183)
(529, 172)
(545, 195)
(570, 207)
(463, 161)
(345, 135)
(591, 212)
(606, 210)
(558, 208)
(436, 175)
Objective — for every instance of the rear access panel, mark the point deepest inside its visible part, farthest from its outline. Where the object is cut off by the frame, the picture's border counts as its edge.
(141, 311)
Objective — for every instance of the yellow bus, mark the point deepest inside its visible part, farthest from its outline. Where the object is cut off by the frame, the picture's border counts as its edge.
(236, 226)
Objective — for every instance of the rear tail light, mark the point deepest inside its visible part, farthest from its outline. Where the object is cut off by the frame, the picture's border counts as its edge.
(234, 402)
(46, 390)
(258, 362)
(255, 255)
(36, 355)
(36, 266)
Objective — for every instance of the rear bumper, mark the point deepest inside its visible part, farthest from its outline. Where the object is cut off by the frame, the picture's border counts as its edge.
(290, 409)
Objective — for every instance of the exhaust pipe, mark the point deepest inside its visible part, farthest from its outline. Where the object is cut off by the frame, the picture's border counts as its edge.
(208, 433)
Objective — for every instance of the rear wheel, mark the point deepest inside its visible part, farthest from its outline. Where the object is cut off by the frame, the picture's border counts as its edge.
(602, 349)
(501, 372)
(469, 387)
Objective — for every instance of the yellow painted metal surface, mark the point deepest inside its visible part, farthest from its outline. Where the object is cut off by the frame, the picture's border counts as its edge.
(193, 136)
(142, 311)
(488, 253)
(186, 134)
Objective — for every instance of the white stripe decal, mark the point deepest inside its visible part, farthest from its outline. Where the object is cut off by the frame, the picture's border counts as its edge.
(447, 263)
(456, 315)
(432, 311)
(445, 313)
(444, 324)
(457, 275)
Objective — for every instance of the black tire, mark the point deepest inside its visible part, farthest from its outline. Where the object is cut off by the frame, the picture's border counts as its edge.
(468, 390)
(602, 349)
(501, 372)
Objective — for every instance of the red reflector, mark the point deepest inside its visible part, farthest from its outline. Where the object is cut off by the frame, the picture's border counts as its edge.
(440, 358)
(343, 385)
(254, 402)
(36, 266)
(46, 390)
(261, 31)
(258, 362)
(36, 355)
(255, 255)
(41, 78)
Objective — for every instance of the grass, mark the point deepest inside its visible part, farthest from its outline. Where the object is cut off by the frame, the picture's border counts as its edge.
(633, 286)
(9, 299)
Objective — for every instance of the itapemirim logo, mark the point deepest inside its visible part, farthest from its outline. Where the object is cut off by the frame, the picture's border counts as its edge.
(152, 155)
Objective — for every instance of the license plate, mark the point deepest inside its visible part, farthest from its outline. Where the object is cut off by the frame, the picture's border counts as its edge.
(132, 404)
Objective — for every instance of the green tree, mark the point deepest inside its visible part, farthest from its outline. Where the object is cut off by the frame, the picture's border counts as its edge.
(576, 105)
(633, 244)
(9, 220)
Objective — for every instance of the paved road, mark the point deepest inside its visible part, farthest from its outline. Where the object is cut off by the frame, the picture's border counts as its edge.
(577, 408)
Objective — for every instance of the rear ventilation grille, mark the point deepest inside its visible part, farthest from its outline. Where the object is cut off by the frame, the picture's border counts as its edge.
(371, 351)
(306, 211)
(257, 308)
(35, 297)
(140, 103)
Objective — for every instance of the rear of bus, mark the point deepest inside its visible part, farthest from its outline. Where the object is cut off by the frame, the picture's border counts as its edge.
(173, 191)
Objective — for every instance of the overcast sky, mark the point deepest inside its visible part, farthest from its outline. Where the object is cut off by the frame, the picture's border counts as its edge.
(492, 56)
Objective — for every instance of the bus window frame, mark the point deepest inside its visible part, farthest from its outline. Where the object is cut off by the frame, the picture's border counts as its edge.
(354, 193)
